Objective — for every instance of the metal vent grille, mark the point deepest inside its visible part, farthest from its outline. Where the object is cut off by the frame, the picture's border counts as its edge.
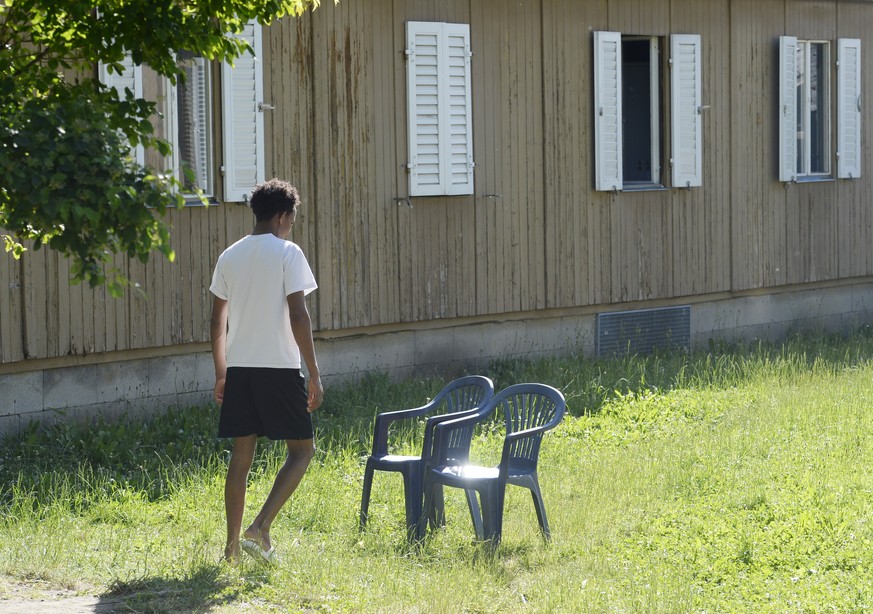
(643, 331)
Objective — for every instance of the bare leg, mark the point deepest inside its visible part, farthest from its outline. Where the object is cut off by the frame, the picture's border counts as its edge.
(235, 491)
(300, 452)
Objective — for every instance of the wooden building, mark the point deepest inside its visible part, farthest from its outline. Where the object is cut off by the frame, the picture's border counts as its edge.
(484, 178)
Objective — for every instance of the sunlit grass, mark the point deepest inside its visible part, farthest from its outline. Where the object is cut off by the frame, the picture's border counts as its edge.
(737, 479)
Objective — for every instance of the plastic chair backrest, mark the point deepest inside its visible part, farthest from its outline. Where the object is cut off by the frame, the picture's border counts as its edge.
(530, 406)
(456, 446)
(464, 394)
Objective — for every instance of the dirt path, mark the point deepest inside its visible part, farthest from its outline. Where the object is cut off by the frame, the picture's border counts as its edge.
(40, 599)
(64, 605)
(69, 604)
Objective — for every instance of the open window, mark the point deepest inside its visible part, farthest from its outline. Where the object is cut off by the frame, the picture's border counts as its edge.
(190, 123)
(806, 112)
(629, 92)
(641, 111)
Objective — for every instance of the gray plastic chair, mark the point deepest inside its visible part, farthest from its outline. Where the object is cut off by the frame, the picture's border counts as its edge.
(461, 397)
(529, 411)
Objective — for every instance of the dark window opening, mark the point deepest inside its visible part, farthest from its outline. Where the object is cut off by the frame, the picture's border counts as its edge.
(640, 111)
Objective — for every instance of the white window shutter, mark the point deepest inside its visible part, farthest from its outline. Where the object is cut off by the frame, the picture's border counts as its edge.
(243, 134)
(456, 115)
(439, 109)
(130, 78)
(686, 109)
(607, 111)
(849, 109)
(787, 108)
(424, 82)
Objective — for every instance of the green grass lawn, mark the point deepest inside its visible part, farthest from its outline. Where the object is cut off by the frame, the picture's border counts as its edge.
(734, 480)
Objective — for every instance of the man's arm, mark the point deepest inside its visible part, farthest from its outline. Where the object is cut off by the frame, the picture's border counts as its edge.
(301, 326)
(218, 331)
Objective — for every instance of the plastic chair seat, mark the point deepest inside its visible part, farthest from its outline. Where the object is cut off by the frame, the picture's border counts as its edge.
(468, 473)
(464, 474)
(389, 462)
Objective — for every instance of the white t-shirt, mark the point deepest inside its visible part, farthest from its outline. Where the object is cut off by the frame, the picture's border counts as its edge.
(255, 275)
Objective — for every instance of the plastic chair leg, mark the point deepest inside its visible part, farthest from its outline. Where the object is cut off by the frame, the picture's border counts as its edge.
(427, 508)
(540, 506)
(437, 516)
(492, 496)
(475, 514)
(412, 495)
(365, 496)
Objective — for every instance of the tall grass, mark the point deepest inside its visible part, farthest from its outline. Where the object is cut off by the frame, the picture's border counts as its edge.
(735, 479)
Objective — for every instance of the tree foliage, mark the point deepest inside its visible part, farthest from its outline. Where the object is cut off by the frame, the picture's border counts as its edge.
(67, 179)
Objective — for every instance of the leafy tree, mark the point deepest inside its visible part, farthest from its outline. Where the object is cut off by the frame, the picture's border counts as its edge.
(67, 179)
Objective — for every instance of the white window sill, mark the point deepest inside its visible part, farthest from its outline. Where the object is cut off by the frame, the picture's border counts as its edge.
(815, 179)
(193, 201)
(643, 187)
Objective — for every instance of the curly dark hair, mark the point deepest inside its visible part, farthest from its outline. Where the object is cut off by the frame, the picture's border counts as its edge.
(272, 197)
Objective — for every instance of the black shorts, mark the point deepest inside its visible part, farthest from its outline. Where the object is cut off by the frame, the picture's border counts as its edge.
(265, 402)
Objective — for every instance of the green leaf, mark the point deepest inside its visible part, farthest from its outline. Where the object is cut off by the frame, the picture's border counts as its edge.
(11, 245)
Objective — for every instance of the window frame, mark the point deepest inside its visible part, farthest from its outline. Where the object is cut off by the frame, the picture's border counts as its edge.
(804, 111)
(656, 115)
(208, 129)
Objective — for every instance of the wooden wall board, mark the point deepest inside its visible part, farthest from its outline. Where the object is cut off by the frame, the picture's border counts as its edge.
(33, 266)
(854, 213)
(493, 193)
(386, 166)
(642, 17)
(531, 140)
(327, 173)
(136, 329)
(758, 204)
(52, 307)
(98, 298)
(11, 342)
(701, 217)
(567, 75)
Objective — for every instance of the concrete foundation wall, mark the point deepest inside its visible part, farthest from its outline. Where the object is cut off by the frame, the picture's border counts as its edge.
(148, 385)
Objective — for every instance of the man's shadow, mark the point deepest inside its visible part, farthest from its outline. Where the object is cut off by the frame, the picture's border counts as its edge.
(204, 589)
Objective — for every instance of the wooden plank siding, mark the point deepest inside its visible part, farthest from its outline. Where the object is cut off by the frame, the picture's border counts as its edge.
(700, 217)
(11, 325)
(572, 253)
(510, 205)
(855, 214)
(757, 208)
(535, 235)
